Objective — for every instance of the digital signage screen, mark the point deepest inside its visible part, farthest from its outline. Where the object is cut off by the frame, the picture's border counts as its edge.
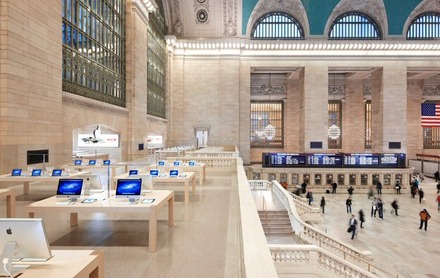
(324, 160)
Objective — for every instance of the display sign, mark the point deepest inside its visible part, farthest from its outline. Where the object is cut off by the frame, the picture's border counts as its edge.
(103, 140)
(155, 141)
(361, 160)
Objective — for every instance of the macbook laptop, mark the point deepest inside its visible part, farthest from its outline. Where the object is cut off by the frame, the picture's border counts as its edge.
(133, 172)
(174, 173)
(16, 172)
(56, 172)
(36, 172)
(78, 162)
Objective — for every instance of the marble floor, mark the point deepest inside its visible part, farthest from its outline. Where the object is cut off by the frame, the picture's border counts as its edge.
(204, 240)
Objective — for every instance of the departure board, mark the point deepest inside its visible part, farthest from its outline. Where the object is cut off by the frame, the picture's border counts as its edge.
(285, 160)
(324, 160)
(363, 159)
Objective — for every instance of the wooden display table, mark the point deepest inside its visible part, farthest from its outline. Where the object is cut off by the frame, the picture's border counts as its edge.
(27, 179)
(10, 202)
(65, 263)
(54, 205)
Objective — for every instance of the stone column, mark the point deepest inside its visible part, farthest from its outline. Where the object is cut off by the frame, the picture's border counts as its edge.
(415, 130)
(353, 117)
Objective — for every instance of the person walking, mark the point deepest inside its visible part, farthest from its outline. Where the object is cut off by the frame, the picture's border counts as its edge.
(334, 186)
(380, 208)
(374, 207)
(413, 190)
(398, 187)
(438, 187)
(424, 217)
(437, 176)
(309, 196)
(379, 187)
(303, 187)
(348, 203)
(322, 204)
(370, 192)
(350, 190)
(352, 223)
(395, 207)
(421, 195)
(361, 217)
(438, 202)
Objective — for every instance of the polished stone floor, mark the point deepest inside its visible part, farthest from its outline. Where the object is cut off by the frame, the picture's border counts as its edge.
(204, 240)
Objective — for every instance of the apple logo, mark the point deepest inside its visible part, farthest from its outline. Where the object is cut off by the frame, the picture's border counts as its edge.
(9, 231)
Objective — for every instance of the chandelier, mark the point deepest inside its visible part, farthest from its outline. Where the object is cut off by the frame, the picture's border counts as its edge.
(334, 131)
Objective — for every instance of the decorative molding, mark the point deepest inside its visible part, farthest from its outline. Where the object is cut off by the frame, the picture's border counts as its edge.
(201, 11)
(431, 90)
(177, 25)
(268, 90)
(367, 90)
(230, 18)
(69, 98)
(373, 8)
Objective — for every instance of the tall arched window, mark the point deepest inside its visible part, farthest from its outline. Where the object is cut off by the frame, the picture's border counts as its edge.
(277, 26)
(426, 26)
(354, 26)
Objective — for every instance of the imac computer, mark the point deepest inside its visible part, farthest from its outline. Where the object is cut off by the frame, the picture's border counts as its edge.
(133, 172)
(92, 162)
(177, 163)
(161, 163)
(70, 188)
(147, 181)
(192, 163)
(24, 239)
(78, 162)
(36, 172)
(129, 188)
(154, 173)
(57, 172)
(16, 172)
(92, 183)
(174, 173)
(106, 162)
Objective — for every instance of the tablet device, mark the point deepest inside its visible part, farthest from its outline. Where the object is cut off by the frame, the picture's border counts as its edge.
(148, 201)
(89, 200)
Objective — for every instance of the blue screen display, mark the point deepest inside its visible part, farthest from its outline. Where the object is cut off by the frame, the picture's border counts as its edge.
(154, 173)
(106, 162)
(36, 172)
(174, 173)
(161, 163)
(56, 172)
(133, 172)
(78, 162)
(176, 163)
(69, 187)
(92, 162)
(129, 187)
(192, 163)
(16, 172)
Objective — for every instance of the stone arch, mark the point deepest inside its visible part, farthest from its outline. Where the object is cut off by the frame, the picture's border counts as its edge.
(423, 7)
(292, 7)
(373, 8)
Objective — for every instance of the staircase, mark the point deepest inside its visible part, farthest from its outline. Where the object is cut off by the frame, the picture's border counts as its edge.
(275, 222)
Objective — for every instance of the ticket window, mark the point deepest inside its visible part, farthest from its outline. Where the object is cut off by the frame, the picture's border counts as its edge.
(364, 179)
(329, 179)
(256, 176)
(295, 179)
(387, 179)
(375, 179)
(283, 177)
(352, 179)
(272, 176)
(318, 179)
(306, 178)
(341, 179)
(399, 178)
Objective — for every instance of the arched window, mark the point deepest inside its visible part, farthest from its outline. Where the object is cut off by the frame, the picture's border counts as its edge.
(426, 26)
(277, 26)
(354, 26)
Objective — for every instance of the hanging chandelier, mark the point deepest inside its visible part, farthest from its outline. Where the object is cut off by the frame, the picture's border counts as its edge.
(334, 131)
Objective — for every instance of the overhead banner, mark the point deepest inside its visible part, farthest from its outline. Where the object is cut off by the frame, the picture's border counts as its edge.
(103, 141)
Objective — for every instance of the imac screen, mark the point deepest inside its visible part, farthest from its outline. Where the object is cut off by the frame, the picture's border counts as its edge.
(154, 173)
(16, 172)
(128, 188)
(36, 172)
(78, 162)
(106, 162)
(69, 188)
(174, 173)
(29, 237)
(133, 172)
(161, 163)
(176, 163)
(92, 162)
(56, 172)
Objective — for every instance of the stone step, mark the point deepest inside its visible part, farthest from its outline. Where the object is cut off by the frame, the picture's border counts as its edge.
(277, 230)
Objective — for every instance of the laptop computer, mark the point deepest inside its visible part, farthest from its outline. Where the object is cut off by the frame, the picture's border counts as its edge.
(78, 162)
(36, 172)
(56, 172)
(92, 162)
(174, 173)
(16, 172)
(154, 173)
(133, 172)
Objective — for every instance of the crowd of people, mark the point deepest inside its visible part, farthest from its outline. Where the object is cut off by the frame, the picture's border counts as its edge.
(377, 205)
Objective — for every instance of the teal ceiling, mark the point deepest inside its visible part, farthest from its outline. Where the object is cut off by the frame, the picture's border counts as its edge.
(318, 12)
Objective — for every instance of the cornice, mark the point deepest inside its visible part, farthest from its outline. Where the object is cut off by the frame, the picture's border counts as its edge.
(93, 104)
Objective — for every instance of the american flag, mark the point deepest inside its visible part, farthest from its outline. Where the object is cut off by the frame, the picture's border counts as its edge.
(430, 115)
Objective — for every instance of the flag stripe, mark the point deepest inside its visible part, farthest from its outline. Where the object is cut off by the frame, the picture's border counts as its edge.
(430, 115)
